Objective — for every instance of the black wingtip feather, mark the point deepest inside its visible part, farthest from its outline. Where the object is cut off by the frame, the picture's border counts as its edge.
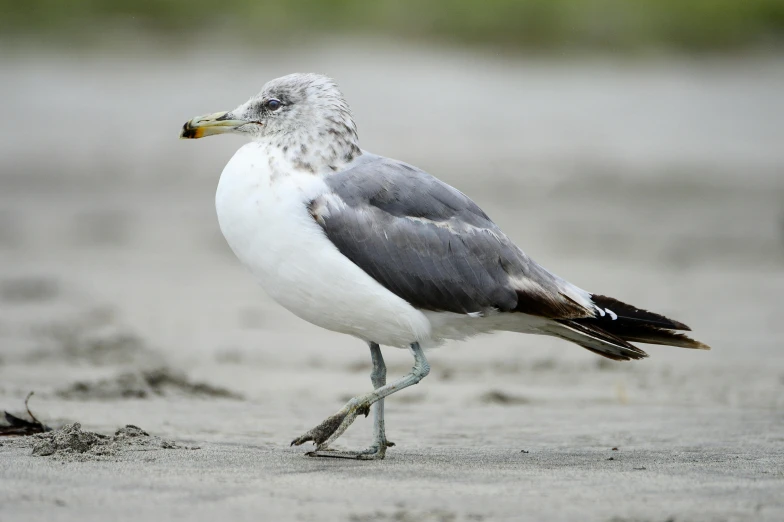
(653, 335)
(628, 314)
(638, 325)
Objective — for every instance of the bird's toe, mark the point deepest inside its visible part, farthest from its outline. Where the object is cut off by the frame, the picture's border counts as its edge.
(323, 431)
(371, 453)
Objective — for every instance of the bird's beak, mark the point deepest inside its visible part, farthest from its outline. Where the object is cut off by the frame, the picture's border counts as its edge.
(209, 124)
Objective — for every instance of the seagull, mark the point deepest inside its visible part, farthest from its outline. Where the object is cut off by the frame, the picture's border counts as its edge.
(378, 249)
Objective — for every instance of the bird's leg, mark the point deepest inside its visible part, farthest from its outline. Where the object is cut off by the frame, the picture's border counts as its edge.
(377, 450)
(378, 377)
(333, 427)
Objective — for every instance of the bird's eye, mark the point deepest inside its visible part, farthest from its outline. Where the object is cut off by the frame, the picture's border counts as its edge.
(273, 104)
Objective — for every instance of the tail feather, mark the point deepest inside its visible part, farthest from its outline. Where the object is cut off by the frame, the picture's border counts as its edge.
(598, 341)
(616, 324)
(654, 335)
(635, 324)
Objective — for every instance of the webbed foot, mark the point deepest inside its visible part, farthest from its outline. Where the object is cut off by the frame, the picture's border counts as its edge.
(375, 452)
(333, 427)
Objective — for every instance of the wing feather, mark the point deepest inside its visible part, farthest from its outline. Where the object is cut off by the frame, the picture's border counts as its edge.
(431, 245)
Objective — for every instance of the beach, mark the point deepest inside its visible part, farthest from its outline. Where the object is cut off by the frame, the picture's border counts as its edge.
(658, 182)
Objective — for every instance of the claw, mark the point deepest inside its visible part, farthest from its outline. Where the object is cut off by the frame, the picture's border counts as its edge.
(332, 427)
(301, 439)
(322, 432)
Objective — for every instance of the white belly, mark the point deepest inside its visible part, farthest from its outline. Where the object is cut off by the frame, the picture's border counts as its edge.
(265, 220)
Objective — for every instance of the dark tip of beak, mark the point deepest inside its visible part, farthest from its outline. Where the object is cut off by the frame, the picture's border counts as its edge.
(188, 131)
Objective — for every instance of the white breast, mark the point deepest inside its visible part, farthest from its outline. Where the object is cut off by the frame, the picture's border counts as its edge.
(262, 212)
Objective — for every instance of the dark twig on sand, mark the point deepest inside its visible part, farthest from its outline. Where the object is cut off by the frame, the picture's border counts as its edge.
(17, 426)
(27, 407)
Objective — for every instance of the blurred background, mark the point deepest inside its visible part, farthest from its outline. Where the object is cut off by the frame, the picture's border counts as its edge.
(635, 148)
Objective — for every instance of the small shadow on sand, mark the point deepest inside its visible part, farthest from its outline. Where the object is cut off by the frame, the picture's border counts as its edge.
(627, 519)
(32, 289)
(93, 339)
(502, 398)
(145, 384)
(404, 515)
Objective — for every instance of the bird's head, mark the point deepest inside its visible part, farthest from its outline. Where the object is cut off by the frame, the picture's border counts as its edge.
(296, 111)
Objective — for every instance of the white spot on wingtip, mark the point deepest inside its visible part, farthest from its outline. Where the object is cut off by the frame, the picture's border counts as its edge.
(612, 314)
(601, 312)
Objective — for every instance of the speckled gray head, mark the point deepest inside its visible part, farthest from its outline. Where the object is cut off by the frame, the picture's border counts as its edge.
(303, 114)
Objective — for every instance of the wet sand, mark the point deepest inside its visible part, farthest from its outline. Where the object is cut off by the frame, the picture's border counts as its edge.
(659, 183)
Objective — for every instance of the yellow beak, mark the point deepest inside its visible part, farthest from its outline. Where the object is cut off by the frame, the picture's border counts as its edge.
(210, 124)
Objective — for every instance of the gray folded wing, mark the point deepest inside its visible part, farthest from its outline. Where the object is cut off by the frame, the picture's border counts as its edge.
(431, 245)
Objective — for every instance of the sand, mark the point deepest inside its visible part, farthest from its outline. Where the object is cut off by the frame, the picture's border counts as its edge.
(657, 182)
